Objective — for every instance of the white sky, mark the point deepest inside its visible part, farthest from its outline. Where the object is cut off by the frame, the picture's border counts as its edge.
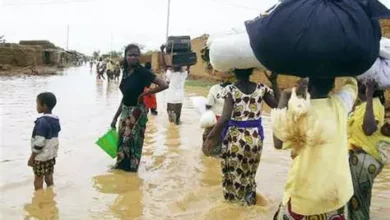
(143, 21)
(91, 22)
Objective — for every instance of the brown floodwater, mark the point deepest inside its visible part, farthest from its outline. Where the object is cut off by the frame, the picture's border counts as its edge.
(175, 180)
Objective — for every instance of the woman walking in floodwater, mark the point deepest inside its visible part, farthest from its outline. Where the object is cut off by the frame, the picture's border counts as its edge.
(243, 135)
(369, 144)
(132, 110)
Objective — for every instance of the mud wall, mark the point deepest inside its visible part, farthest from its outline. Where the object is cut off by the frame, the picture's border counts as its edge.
(21, 55)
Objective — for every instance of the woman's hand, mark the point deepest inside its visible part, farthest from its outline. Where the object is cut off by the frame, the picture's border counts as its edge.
(162, 47)
(209, 144)
(120, 155)
(271, 77)
(141, 98)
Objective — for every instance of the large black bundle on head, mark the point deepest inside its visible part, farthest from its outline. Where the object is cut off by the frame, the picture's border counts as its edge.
(318, 38)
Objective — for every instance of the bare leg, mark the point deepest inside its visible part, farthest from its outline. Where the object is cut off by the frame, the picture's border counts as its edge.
(49, 180)
(38, 182)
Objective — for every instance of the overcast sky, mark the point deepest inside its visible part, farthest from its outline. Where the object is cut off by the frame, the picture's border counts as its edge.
(91, 22)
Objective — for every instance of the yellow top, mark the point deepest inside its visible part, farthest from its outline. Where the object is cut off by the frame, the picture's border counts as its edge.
(319, 180)
(356, 134)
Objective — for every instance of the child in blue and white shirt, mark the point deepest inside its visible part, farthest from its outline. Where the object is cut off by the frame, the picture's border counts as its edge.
(44, 141)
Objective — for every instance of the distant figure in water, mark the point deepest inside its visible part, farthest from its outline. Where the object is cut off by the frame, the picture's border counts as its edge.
(117, 71)
(242, 135)
(44, 141)
(150, 100)
(100, 68)
(132, 110)
(176, 76)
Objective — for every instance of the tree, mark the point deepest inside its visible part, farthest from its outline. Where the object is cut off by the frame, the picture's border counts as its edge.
(96, 54)
(2, 40)
(115, 54)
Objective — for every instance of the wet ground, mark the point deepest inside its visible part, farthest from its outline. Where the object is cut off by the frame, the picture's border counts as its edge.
(175, 180)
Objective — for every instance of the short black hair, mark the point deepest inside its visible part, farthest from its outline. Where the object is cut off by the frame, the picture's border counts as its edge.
(323, 86)
(125, 65)
(148, 66)
(243, 73)
(48, 99)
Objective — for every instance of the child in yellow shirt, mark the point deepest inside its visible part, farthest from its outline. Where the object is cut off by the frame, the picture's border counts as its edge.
(319, 183)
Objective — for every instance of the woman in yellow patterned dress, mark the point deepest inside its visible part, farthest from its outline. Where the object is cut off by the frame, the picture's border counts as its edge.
(242, 135)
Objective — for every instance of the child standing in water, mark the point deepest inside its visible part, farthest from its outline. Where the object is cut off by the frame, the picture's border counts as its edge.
(44, 142)
(242, 135)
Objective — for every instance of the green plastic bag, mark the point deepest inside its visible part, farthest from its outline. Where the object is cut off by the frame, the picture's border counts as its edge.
(109, 142)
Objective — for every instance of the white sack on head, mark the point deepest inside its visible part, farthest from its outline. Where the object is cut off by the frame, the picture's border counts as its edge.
(232, 52)
(199, 103)
(379, 72)
(240, 29)
(384, 50)
(208, 119)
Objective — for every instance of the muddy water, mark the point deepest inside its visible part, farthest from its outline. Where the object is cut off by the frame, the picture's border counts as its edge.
(175, 180)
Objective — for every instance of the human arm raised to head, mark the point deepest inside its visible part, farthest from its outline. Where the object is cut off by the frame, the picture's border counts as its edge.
(283, 103)
(370, 125)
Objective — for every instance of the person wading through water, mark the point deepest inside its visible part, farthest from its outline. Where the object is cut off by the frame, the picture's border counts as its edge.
(242, 135)
(175, 95)
(369, 147)
(133, 112)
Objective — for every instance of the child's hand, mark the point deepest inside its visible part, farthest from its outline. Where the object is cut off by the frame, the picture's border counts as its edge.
(30, 162)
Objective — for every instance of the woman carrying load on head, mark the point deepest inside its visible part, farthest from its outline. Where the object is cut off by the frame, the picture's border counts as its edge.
(319, 183)
(369, 146)
(133, 112)
(242, 135)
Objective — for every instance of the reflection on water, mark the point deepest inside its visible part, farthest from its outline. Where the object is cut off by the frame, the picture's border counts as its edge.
(175, 181)
(42, 205)
(127, 187)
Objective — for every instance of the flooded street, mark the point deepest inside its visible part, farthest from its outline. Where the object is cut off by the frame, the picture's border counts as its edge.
(175, 180)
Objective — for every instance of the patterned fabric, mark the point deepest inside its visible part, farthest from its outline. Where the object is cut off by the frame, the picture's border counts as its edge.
(131, 137)
(285, 213)
(242, 147)
(364, 169)
(44, 168)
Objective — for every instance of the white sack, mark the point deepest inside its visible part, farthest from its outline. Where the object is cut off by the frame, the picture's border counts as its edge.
(232, 51)
(379, 72)
(199, 103)
(384, 50)
(208, 119)
(241, 29)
